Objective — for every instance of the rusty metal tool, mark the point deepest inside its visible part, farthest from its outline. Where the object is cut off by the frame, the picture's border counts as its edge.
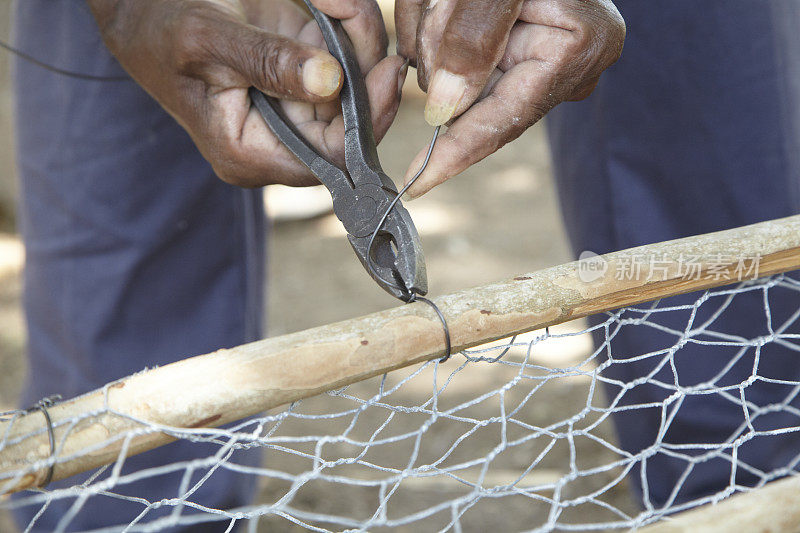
(379, 228)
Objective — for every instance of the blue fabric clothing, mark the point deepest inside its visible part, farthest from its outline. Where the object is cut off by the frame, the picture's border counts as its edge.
(696, 129)
(137, 255)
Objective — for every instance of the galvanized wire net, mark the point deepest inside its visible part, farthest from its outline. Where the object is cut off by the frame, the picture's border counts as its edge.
(517, 435)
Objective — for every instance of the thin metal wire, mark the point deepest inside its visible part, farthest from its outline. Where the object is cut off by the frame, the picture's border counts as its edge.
(409, 296)
(395, 420)
(408, 185)
(42, 405)
(448, 347)
(61, 71)
(474, 353)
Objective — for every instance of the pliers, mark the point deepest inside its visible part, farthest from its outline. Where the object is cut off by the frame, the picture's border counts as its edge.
(365, 200)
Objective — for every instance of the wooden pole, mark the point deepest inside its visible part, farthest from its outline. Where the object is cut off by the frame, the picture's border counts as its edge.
(228, 385)
(774, 508)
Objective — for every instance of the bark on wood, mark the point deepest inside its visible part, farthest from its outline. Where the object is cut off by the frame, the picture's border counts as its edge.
(228, 385)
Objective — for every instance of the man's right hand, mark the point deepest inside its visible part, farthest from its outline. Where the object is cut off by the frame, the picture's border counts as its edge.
(198, 58)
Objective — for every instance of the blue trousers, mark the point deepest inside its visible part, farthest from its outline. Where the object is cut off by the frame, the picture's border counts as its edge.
(137, 255)
(696, 129)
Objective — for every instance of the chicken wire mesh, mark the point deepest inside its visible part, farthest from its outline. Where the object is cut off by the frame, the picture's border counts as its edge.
(532, 433)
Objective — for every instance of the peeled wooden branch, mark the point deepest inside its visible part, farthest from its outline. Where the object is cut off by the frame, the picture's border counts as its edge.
(228, 385)
(773, 508)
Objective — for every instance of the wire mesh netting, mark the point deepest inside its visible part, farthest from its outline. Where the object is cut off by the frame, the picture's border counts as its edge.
(563, 429)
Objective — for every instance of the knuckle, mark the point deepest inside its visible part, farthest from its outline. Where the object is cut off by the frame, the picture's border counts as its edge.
(596, 40)
(584, 90)
(536, 110)
(614, 34)
(599, 33)
(273, 61)
(614, 23)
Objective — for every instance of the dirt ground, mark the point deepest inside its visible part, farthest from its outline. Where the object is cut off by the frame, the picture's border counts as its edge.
(498, 220)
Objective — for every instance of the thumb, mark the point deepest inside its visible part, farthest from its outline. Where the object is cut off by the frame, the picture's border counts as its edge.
(282, 67)
(472, 45)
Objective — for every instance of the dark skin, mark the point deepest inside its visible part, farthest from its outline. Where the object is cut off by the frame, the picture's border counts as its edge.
(491, 69)
(197, 58)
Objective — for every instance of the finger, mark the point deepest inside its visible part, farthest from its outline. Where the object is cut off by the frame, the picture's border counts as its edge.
(361, 18)
(298, 112)
(234, 137)
(276, 65)
(432, 26)
(554, 45)
(282, 16)
(590, 35)
(407, 17)
(310, 33)
(327, 111)
(384, 83)
(387, 103)
(497, 74)
(519, 99)
(584, 90)
(246, 153)
(533, 41)
(363, 22)
(472, 45)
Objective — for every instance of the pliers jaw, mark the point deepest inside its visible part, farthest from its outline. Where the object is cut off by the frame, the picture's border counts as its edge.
(396, 261)
(364, 198)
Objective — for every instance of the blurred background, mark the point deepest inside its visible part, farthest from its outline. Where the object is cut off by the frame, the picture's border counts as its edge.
(497, 220)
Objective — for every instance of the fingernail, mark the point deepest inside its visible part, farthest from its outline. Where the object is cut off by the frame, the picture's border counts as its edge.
(322, 75)
(444, 94)
(401, 78)
(406, 197)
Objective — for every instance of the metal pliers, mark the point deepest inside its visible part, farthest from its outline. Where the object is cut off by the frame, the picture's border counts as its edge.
(364, 198)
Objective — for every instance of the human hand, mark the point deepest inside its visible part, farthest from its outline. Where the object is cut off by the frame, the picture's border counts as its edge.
(496, 68)
(198, 58)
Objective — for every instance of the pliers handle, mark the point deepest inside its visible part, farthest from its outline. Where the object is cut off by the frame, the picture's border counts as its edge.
(363, 192)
